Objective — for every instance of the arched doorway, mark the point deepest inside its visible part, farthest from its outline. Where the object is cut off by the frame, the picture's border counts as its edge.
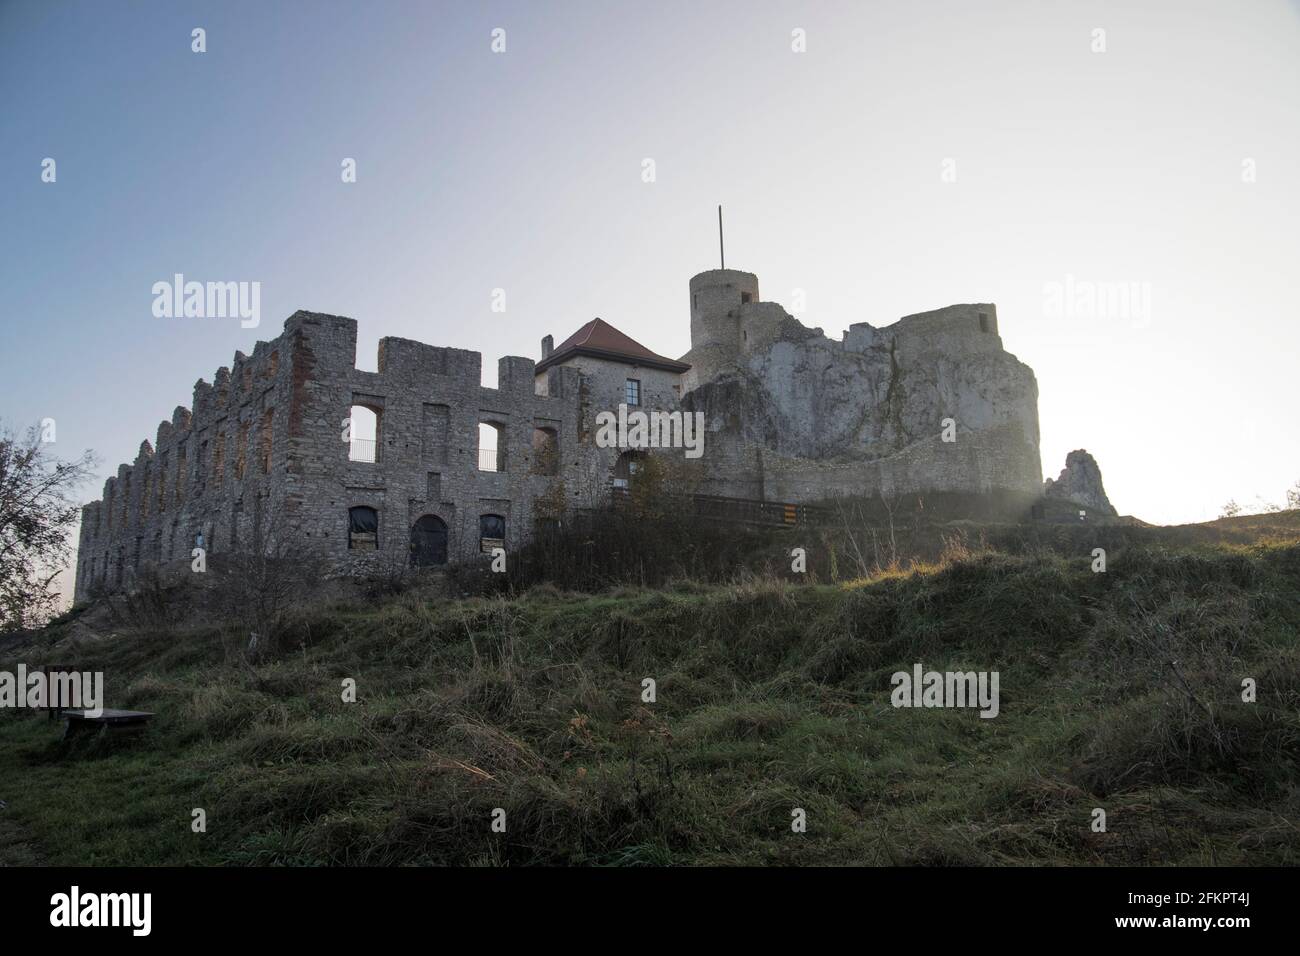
(428, 542)
(626, 468)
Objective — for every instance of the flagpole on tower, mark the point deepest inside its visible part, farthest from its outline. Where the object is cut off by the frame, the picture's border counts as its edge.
(722, 254)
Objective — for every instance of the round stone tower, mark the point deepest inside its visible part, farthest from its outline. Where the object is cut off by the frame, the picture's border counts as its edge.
(716, 298)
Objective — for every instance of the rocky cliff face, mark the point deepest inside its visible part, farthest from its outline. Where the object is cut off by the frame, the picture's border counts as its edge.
(1080, 482)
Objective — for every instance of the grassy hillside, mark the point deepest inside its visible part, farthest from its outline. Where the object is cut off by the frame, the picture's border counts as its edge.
(1119, 690)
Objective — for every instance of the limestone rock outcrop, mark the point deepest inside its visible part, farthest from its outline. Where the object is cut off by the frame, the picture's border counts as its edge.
(794, 415)
(1080, 482)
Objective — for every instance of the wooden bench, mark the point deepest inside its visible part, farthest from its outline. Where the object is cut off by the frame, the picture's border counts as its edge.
(117, 721)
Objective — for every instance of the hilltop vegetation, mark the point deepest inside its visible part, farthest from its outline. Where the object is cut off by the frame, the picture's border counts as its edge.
(1119, 690)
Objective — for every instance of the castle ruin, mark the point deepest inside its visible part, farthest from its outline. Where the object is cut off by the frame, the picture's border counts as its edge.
(930, 403)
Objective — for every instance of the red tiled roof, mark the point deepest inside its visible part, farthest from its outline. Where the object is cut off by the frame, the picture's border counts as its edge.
(599, 339)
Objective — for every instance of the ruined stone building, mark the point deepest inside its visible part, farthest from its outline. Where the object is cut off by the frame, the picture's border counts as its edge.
(269, 450)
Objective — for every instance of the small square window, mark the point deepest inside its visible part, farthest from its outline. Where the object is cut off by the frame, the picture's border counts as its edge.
(363, 529)
(632, 392)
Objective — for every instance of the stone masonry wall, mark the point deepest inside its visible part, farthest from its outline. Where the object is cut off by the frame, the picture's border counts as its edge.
(801, 417)
(790, 414)
(287, 407)
(210, 471)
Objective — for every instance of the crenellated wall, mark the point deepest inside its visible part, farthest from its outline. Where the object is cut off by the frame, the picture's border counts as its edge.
(194, 478)
(264, 453)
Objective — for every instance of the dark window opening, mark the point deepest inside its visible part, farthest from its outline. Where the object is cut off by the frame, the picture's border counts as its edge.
(491, 532)
(625, 469)
(428, 542)
(363, 529)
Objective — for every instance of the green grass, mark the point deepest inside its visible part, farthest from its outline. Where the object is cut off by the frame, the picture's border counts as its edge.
(1119, 690)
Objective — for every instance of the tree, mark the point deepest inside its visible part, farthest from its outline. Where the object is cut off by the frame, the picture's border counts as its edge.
(1293, 496)
(1230, 510)
(37, 515)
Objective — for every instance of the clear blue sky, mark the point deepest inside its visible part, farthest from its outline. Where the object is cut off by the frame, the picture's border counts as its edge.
(522, 171)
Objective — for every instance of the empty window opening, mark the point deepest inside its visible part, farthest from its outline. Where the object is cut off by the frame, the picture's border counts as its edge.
(632, 392)
(491, 447)
(746, 297)
(363, 434)
(363, 529)
(491, 532)
(625, 469)
(984, 322)
(546, 451)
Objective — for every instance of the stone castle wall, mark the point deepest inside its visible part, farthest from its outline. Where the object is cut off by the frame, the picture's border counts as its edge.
(227, 450)
(263, 452)
(790, 415)
(802, 417)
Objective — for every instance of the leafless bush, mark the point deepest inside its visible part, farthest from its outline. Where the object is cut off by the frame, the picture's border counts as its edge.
(255, 590)
(388, 574)
(152, 601)
(854, 522)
